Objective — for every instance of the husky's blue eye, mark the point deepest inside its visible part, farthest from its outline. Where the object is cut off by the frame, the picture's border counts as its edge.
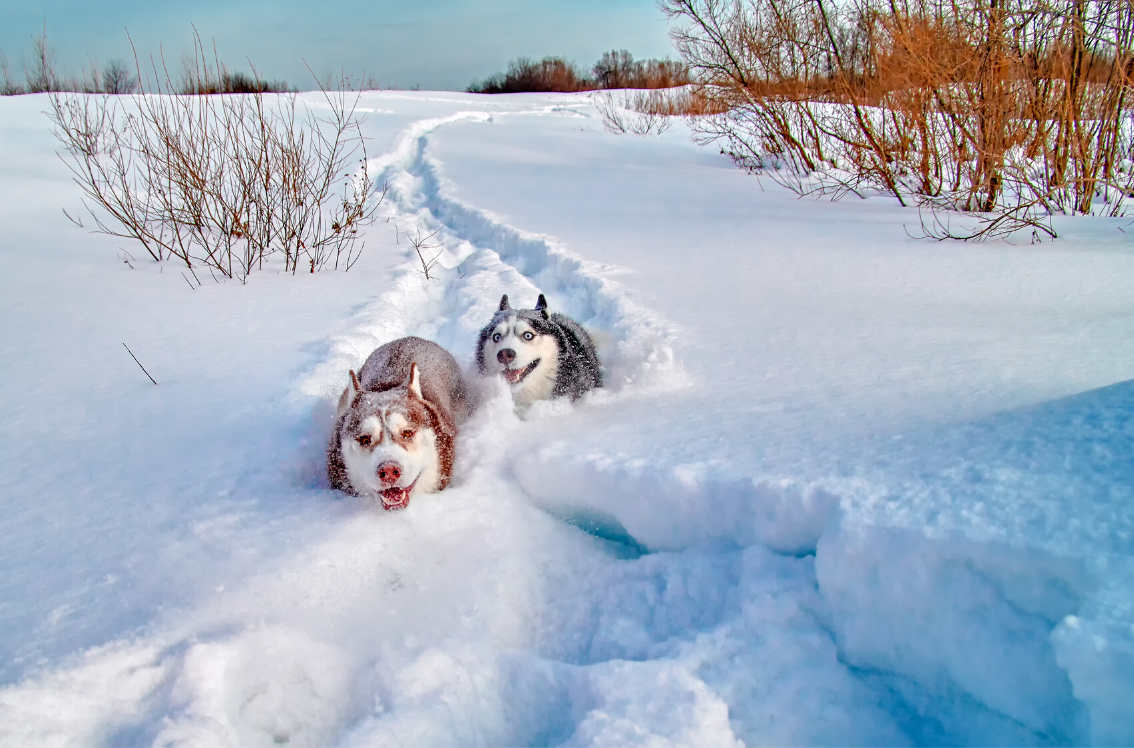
(496, 338)
(529, 336)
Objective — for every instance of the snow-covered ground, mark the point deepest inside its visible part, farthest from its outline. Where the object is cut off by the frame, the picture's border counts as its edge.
(843, 487)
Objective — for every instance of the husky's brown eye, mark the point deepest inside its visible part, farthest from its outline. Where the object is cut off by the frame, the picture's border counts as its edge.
(408, 434)
(364, 440)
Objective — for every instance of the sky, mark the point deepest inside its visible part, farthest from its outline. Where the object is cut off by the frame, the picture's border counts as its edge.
(433, 44)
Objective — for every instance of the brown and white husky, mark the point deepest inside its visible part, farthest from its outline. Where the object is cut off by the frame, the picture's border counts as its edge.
(397, 422)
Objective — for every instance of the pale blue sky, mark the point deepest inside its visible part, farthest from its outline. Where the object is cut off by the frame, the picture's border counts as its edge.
(438, 44)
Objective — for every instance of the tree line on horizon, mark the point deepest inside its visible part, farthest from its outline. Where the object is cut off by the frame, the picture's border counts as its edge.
(116, 77)
(614, 70)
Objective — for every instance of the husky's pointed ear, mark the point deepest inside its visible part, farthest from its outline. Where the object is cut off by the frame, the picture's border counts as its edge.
(503, 303)
(349, 394)
(541, 306)
(414, 383)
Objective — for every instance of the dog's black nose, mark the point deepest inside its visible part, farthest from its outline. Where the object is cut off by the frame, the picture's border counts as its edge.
(506, 356)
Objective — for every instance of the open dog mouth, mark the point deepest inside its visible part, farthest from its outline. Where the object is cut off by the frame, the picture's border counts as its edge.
(515, 376)
(396, 498)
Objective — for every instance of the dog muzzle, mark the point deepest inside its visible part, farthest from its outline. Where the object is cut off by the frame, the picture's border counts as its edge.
(396, 498)
(515, 376)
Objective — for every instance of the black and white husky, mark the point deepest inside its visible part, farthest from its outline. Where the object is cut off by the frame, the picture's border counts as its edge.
(539, 355)
(397, 421)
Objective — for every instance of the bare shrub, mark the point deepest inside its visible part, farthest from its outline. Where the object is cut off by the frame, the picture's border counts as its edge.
(8, 87)
(525, 75)
(40, 76)
(423, 246)
(1008, 111)
(638, 112)
(619, 69)
(615, 69)
(350, 82)
(201, 77)
(221, 182)
(117, 78)
(650, 112)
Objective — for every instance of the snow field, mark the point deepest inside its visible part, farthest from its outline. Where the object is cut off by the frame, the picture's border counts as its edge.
(603, 573)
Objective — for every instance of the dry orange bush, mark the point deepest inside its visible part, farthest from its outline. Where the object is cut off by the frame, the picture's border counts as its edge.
(1008, 111)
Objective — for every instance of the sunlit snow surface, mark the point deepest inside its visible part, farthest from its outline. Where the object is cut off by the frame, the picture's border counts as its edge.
(844, 486)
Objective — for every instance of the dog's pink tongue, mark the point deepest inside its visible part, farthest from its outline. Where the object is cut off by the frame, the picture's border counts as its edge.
(395, 498)
(513, 375)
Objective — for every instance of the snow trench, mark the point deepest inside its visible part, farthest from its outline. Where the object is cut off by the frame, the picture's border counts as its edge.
(480, 257)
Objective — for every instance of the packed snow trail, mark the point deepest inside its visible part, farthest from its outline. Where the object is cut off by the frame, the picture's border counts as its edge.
(482, 257)
(479, 259)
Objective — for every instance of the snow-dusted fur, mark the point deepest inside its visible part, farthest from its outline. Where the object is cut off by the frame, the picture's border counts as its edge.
(397, 421)
(540, 355)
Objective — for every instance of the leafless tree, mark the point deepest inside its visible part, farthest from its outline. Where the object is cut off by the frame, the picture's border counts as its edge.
(40, 76)
(117, 78)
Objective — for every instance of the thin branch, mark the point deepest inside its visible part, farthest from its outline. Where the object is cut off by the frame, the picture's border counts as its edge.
(139, 363)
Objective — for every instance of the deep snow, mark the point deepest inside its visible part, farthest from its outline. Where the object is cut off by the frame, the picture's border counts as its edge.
(844, 486)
